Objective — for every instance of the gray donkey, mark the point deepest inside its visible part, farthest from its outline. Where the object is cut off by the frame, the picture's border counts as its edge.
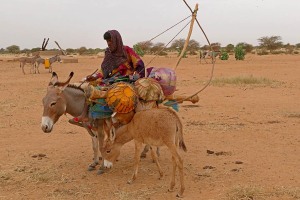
(62, 98)
(51, 60)
(29, 60)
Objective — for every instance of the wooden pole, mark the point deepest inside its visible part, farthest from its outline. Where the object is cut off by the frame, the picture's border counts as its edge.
(188, 37)
(63, 52)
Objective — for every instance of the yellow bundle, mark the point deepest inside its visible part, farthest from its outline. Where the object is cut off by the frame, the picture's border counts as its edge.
(121, 97)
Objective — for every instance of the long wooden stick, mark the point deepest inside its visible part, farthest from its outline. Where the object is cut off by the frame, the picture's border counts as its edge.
(88, 75)
(188, 37)
(63, 51)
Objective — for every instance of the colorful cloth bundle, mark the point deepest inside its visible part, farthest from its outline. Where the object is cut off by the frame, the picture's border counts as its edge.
(100, 110)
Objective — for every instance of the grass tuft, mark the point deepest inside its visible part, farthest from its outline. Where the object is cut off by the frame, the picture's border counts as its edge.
(244, 80)
(260, 193)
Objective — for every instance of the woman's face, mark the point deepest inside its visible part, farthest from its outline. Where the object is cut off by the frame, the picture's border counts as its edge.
(109, 44)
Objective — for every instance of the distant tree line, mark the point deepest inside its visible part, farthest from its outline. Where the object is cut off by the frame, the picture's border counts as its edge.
(272, 44)
(14, 49)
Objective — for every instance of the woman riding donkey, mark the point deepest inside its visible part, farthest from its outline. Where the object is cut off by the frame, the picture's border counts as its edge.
(119, 60)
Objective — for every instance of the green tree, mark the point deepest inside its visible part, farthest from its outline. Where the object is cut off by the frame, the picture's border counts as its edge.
(224, 55)
(193, 47)
(2, 51)
(70, 51)
(239, 52)
(205, 47)
(297, 45)
(157, 47)
(289, 48)
(177, 44)
(35, 49)
(138, 50)
(216, 46)
(82, 50)
(13, 49)
(270, 43)
(145, 46)
(247, 47)
(229, 48)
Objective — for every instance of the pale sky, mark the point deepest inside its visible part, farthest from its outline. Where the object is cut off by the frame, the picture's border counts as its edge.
(77, 23)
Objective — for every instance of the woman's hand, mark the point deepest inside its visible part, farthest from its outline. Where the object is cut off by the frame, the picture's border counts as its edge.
(91, 78)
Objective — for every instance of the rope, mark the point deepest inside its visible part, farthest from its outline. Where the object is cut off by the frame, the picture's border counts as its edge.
(167, 44)
(167, 29)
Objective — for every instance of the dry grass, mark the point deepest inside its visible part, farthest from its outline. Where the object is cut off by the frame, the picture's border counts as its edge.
(261, 193)
(244, 80)
(77, 192)
(139, 194)
(293, 115)
(5, 176)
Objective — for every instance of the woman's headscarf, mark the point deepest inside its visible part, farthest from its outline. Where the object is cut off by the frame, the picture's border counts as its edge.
(115, 55)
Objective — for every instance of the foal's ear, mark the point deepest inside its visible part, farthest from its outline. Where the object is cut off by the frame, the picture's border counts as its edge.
(112, 133)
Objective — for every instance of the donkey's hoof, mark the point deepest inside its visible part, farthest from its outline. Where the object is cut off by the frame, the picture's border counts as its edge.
(92, 167)
(100, 171)
(179, 195)
(161, 175)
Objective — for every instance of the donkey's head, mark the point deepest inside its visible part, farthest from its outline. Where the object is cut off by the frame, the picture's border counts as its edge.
(58, 59)
(54, 102)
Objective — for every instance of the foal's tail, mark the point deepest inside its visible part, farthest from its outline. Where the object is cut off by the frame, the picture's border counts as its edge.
(179, 130)
(180, 137)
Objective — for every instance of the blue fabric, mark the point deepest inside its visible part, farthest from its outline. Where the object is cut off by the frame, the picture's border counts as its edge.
(100, 110)
(173, 104)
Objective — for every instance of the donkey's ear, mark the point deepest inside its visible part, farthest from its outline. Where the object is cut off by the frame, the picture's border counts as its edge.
(63, 85)
(54, 79)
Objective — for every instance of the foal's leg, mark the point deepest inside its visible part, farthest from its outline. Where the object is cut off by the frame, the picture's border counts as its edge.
(172, 183)
(50, 68)
(179, 163)
(138, 148)
(146, 149)
(155, 159)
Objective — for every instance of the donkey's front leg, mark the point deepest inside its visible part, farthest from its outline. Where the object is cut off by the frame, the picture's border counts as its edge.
(37, 68)
(23, 68)
(95, 144)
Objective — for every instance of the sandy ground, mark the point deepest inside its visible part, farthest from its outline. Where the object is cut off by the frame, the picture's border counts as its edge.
(252, 131)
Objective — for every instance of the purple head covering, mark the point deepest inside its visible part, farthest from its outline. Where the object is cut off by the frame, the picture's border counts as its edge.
(115, 55)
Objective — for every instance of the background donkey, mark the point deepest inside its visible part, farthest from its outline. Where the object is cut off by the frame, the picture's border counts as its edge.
(63, 98)
(29, 60)
(51, 60)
